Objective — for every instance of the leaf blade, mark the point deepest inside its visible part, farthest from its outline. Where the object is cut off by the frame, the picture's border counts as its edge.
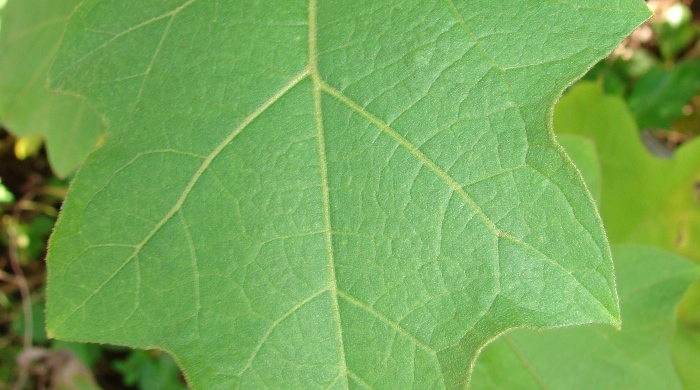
(297, 202)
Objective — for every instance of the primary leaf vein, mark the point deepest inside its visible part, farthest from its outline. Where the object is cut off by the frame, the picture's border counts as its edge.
(317, 85)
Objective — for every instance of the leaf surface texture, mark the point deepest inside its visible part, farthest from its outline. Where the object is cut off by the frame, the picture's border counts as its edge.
(328, 194)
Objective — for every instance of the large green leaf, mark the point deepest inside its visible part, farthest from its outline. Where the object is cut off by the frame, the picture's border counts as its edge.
(651, 282)
(645, 199)
(31, 32)
(332, 194)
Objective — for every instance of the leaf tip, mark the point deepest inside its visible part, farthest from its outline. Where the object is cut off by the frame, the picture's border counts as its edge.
(617, 323)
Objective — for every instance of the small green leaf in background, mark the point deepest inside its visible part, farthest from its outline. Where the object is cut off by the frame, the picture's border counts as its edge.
(38, 332)
(150, 370)
(659, 96)
(644, 199)
(29, 38)
(637, 65)
(328, 194)
(614, 80)
(88, 354)
(651, 282)
(5, 195)
(30, 236)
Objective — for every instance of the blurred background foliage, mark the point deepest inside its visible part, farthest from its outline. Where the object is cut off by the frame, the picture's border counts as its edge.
(654, 73)
(657, 71)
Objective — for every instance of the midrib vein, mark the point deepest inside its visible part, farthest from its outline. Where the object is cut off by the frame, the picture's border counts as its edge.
(317, 85)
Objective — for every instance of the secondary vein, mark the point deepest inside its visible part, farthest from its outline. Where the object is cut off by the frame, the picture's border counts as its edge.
(449, 180)
(195, 178)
